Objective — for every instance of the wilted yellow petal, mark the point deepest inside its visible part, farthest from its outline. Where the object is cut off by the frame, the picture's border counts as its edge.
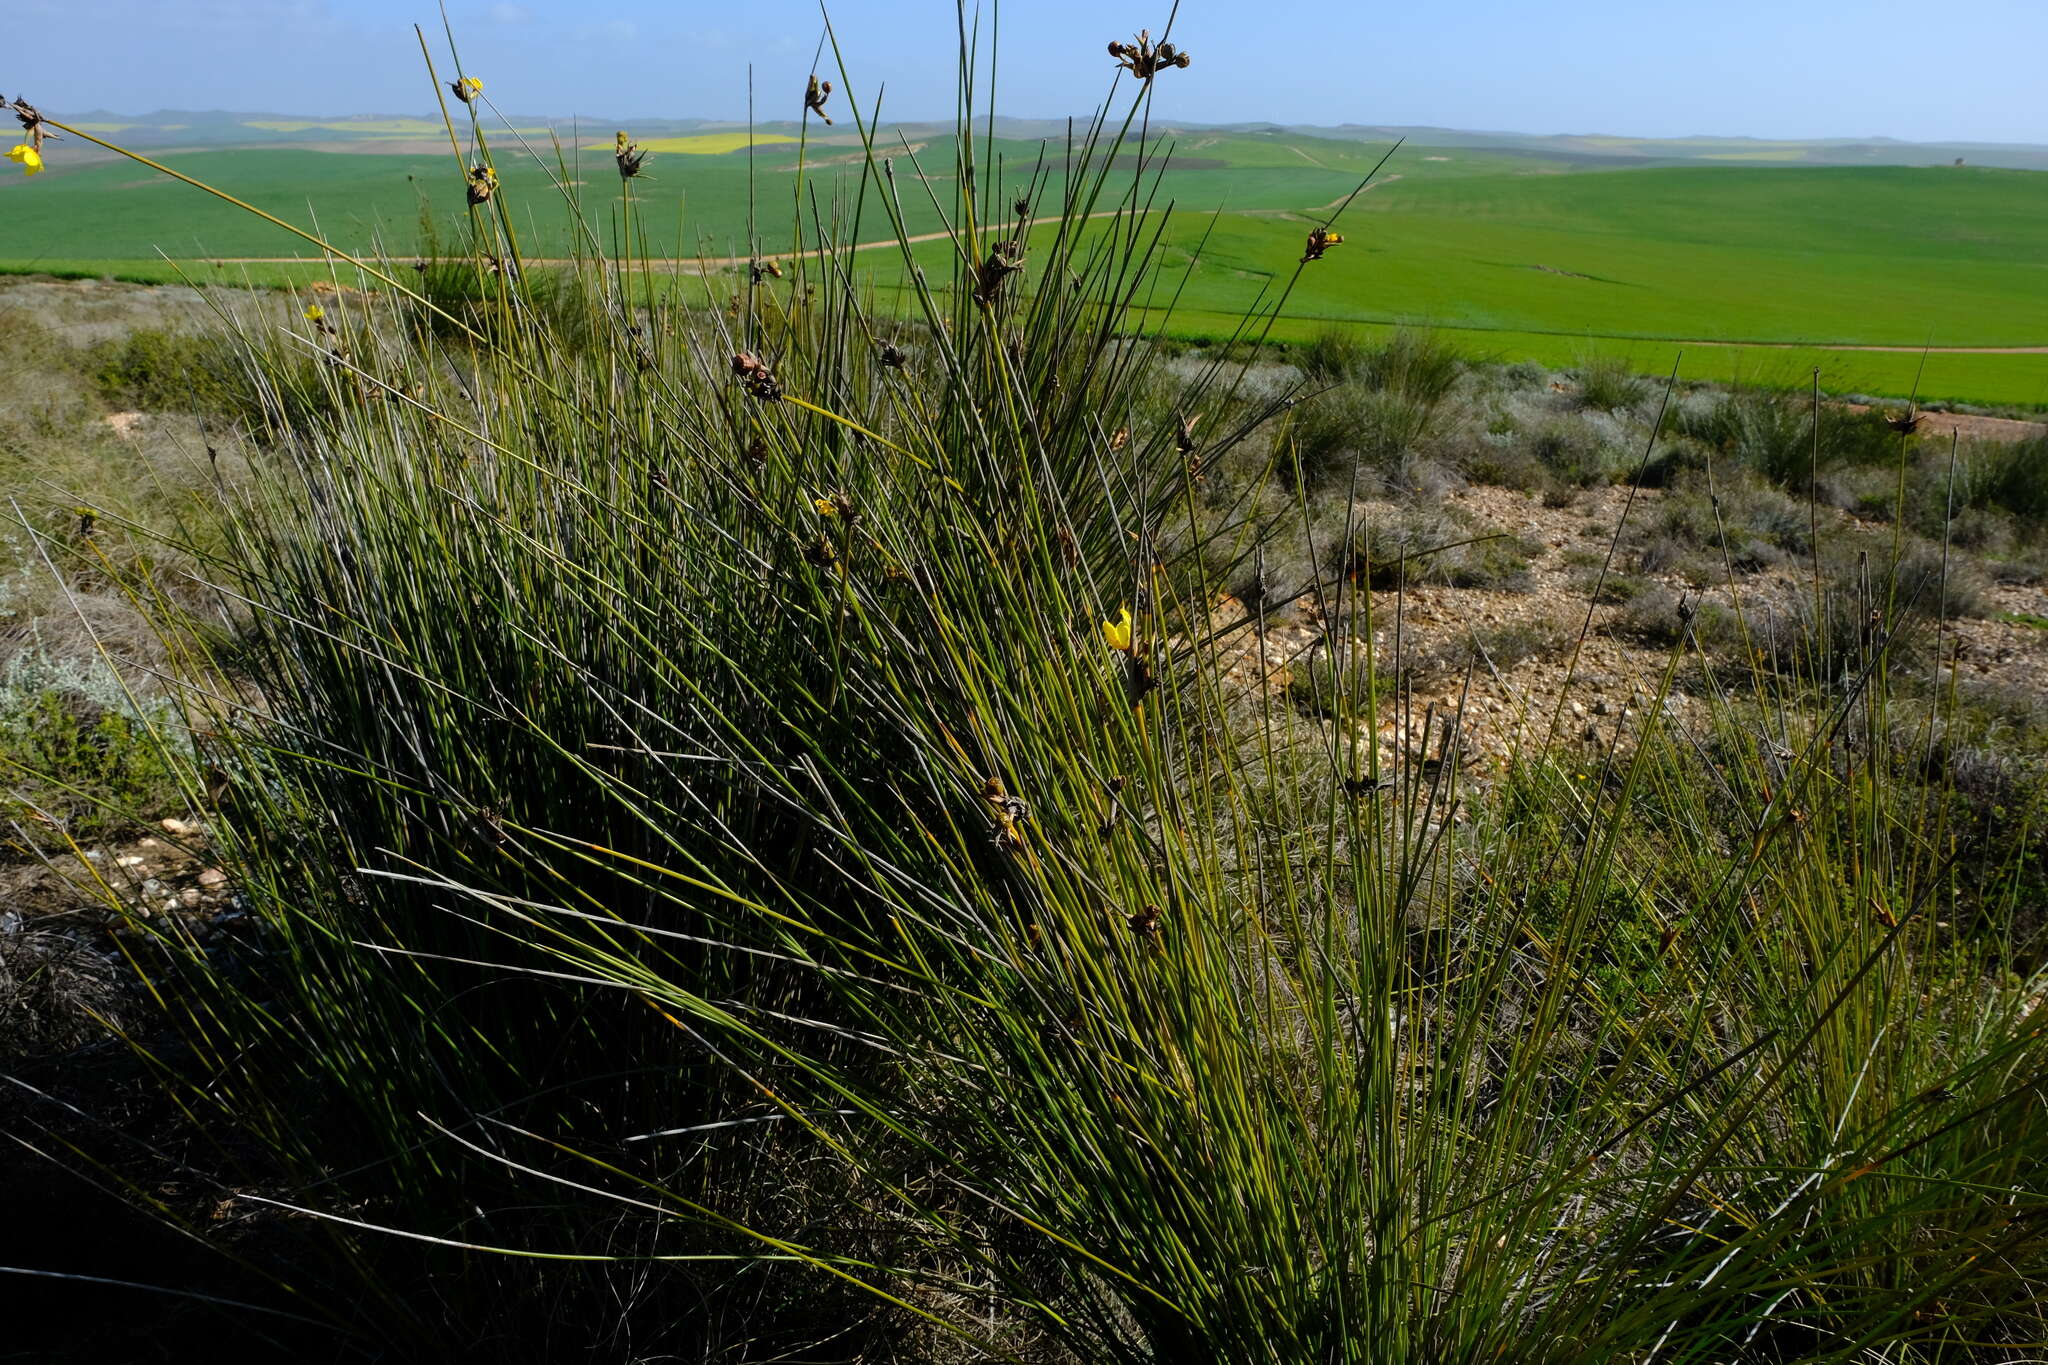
(1117, 634)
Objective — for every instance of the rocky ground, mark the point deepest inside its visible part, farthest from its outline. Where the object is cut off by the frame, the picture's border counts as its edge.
(67, 919)
(1588, 682)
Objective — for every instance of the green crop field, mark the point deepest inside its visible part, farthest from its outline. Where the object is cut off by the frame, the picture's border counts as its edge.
(1729, 269)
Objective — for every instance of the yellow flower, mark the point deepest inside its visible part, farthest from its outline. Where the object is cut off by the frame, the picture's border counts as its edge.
(826, 507)
(467, 89)
(31, 160)
(314, 312)
(1118, 634)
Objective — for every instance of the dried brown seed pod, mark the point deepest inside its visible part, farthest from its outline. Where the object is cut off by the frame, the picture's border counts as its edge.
(1004, 259)
(1146, 924)
(629, 155)
(1143, 60)
(1320, 240)
(814, 98)
(754, 374)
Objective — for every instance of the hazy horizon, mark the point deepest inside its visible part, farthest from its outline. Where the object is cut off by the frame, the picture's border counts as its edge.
(1855, 71)
(601, 116)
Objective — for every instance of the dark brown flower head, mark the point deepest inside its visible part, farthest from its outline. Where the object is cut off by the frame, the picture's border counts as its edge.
(1184, 437)
(762, 269)
(1022, 206)
(821, 553)
(1005, 259)
(815, 95)
(1119, 438)
(1905, 423)
(630, 155)
(488, 824)
(467, 89)
(758, 379)
(1139, 679)
(1320, 240)
(1009, 813)
(1143, 60)
(892, 357)
(33, 130)
(1146, 925)
(483, 183)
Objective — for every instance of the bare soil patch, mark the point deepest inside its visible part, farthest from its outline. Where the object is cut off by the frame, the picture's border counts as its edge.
(1596, 685)
(1968, 426)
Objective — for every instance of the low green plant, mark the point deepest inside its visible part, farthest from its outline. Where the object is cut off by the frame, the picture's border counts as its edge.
(78, 756)
(1574, 456)
(1332, 355)
(1710, 526)
(1416, 364)
(1786, 436)
(260, 382)
(1352, 428)
(1608, 384)
(2012, 476)
(1421, 366)
(1613, 589)
(1389, 549)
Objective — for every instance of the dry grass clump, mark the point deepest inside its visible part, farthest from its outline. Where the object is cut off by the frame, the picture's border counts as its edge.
(1389, 547)
(1610, 384)
(1379, 403)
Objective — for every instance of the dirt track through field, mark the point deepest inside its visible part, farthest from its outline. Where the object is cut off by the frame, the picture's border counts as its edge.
(1855, 346)
(692, 265)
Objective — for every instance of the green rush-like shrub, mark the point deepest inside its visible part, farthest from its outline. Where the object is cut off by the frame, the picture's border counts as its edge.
(1774, 432)
(766, 848)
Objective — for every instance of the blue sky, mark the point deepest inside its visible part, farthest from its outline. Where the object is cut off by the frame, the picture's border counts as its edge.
(1967, 69)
